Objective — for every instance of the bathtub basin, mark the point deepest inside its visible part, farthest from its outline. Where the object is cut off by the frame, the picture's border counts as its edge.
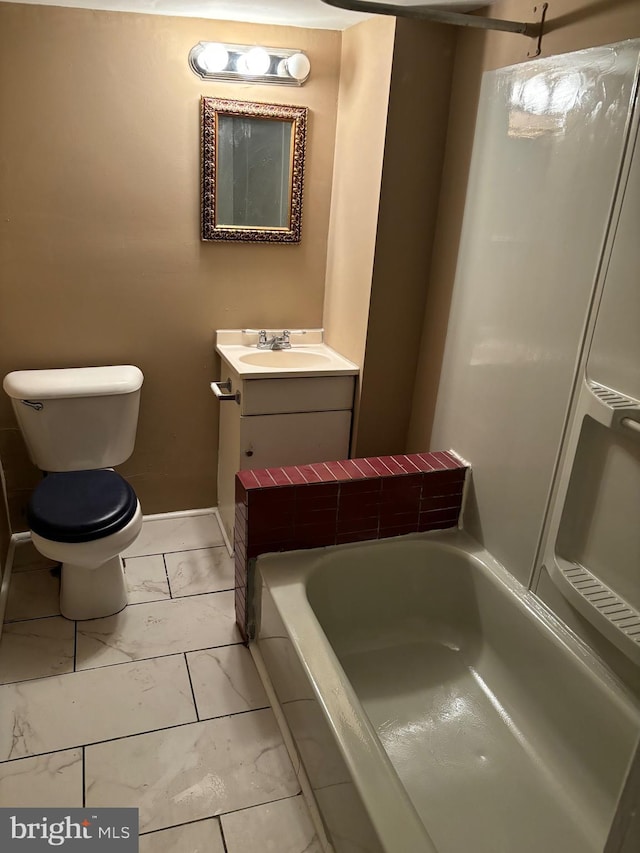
(436, 705)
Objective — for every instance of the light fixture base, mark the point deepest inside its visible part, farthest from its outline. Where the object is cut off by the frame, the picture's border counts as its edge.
(279, 70)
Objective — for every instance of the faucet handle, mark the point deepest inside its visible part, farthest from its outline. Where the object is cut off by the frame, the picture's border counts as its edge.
(285, 335)
(262, 336)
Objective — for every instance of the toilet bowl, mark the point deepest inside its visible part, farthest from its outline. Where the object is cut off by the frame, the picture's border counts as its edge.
(77, 424)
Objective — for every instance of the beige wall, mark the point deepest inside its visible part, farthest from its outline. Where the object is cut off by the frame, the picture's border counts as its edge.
(411, 174)
(571, 25)
(5, 531)
(367, 55)
(100, 256)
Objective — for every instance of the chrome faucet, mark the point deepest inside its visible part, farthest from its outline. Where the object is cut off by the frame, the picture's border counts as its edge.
(276, 342)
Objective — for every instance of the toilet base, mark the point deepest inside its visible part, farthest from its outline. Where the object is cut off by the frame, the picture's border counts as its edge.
(92, 593)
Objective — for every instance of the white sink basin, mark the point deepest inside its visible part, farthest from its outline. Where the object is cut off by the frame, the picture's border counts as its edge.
(285, 359)
(308, 356)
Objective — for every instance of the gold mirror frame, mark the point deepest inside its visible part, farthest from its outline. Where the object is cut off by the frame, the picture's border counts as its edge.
(211, 109)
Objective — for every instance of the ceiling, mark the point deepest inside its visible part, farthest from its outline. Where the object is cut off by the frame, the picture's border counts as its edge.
(297, 13)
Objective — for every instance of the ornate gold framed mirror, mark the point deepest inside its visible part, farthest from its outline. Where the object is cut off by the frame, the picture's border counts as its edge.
(252, 171)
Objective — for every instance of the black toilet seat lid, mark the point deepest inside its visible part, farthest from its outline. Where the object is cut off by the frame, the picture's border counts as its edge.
(80, 506)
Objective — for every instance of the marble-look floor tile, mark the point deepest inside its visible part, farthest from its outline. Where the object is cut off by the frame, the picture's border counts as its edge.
(204, 570)
(146, 579)
(51, 781)
(176, 534)
(201, 837)
(158, 628)
(26, 558)
(192, 772)
(33, 595)
(282, 827)
(84, 707)
(36, 648)
(225, 681)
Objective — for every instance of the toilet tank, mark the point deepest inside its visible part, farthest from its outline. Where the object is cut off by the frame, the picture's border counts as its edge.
(73, 419)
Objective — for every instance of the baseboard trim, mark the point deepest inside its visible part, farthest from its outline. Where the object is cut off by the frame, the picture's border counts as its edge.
(6, 577)
(183, 513)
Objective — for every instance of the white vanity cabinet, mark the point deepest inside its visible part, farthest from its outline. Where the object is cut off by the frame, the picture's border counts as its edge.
(268, 422)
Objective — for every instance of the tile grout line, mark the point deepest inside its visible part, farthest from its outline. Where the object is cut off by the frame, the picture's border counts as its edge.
(222, 814)
(122, 663)
(177, 551)
(8, 761)
(130, 604)
(224, 840)
(193, 693)
(166, 574)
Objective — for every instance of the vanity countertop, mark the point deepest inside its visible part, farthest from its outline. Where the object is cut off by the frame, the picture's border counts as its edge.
(308, 355)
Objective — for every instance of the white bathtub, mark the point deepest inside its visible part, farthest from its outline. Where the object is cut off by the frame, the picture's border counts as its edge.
(436, 705)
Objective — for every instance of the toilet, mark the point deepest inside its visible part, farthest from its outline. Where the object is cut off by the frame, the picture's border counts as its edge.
(78, 424)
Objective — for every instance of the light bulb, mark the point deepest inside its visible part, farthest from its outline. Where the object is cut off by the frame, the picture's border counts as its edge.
(256, 62)
(213, 57)
(298, 66)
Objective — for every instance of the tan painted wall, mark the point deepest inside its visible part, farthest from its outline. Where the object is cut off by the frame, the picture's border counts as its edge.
(367, 55)
(411, 175)
(5, 531)
(571, 25)
(100, 256)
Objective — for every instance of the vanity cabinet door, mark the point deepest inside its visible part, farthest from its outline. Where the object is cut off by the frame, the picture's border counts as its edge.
(268, 441)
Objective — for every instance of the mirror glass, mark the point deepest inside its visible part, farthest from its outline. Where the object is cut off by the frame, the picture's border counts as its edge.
(253, 162)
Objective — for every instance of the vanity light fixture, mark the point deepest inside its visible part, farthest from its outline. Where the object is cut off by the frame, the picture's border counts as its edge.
(247, 63)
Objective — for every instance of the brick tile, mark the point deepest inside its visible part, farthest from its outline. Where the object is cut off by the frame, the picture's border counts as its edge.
(317, 490)
(264, 477)
(420, 461)
(454, 459)
(240, 492)
(378, 465)
(357, 506)
(325, 473)
(294, 475)
(351, 470)
(276, 496)
(445, 459)
(391, 519)
(360, 487)
(314, 536)
(402, 482)
(398, 530)
(364, 466)
(424, 526)
(400, 501)
(309, 474)
(453, 500)
(337, 468)
(439, 478)
(347, 525)
(356, 536)
(439, 488)
(437, 519)
(318, 516)
(304, 507)
(280, 476)
(407, 463)
(247, 479)
(392, 464)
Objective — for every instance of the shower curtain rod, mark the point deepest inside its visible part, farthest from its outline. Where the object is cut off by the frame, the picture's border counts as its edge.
(456, 19)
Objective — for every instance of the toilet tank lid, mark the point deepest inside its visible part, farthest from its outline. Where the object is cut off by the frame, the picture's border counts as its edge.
(73, 382)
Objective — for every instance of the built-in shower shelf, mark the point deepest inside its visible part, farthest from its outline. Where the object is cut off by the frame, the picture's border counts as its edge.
(613, 616)
(611, 408)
